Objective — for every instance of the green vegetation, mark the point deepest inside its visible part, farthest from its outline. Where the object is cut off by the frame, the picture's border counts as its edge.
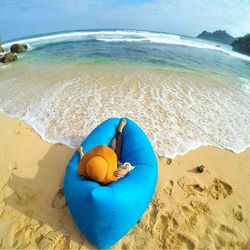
(242, 44)
(1, 48)
(220, 36)
(245, 38)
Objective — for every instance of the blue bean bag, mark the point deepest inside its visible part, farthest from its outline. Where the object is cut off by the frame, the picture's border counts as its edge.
(104, 214)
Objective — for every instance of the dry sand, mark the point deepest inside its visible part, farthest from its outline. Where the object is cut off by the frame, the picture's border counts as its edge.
(189, 209)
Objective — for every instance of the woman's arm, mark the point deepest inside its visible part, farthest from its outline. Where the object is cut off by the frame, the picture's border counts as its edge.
(123, 170)
(80, 151)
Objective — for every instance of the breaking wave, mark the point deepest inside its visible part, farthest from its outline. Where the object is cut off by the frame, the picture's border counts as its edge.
(128, 36)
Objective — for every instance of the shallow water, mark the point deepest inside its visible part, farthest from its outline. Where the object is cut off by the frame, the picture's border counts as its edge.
(182, 96)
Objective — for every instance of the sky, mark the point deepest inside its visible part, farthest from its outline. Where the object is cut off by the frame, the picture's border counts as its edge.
(19, 18)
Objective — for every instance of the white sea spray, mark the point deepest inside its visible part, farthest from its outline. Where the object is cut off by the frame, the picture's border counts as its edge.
(128, 36)
(178, 113)
(244, 85)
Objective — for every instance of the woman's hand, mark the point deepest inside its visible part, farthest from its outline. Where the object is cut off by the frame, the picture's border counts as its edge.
(119, 173)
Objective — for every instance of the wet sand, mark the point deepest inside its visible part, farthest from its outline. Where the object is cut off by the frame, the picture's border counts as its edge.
(189, 209)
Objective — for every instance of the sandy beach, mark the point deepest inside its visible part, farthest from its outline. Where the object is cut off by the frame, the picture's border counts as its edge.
(189, 210)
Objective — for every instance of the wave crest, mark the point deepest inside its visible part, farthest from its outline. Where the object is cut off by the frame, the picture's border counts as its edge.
(128, 36)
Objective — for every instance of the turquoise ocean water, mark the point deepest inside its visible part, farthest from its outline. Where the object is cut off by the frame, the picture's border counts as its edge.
(185, 92)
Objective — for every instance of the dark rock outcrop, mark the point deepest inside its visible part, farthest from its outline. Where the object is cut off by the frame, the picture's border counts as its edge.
(1, 48)
(8, 57)
(242, 44)
(220, 36)
(18, 48)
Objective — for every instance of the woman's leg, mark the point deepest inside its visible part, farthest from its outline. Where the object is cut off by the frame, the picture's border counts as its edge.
(112, 144)
(116, 142)
(118, 148)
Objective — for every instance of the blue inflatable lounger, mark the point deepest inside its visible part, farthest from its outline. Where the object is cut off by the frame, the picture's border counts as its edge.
(105, 213)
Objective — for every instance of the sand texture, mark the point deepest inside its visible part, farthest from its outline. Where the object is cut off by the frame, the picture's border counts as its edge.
(189, 210)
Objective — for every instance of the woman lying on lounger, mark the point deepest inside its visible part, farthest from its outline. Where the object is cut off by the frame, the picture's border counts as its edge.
(103, 164)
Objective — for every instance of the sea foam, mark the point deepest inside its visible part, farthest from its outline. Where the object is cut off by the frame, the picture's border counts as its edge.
(178, 112)
(244, 85)
(129, 36)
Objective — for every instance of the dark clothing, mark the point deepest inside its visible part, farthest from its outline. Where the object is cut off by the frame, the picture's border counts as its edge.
(116, 145)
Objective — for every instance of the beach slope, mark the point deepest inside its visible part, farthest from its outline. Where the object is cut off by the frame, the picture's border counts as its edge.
(189, 209)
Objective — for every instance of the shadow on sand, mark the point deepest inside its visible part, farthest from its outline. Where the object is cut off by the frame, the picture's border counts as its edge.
(34, 197)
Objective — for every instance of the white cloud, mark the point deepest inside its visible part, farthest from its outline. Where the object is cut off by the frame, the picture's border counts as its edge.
(188, 17)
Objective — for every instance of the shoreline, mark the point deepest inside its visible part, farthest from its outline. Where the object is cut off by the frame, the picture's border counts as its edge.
(162, 156)
(189, 110)
(141, 35)
(189, 209)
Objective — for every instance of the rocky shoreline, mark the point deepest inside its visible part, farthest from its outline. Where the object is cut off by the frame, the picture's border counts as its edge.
(220, 36)
(242, 45)
(11, 56)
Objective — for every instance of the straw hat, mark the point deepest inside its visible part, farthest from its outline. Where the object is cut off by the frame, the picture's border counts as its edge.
(99, 164)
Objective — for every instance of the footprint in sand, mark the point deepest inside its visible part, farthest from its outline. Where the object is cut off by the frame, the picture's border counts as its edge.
(172, 224)
(225, 235)
(54, 240)
(168, 161)
(160, 230)
(18, 129)
(165, 225)
(186, 242)
(192, 188)
(2, 207)
(229, 237)
(4, 182)
(149, 218)
(238, 213)
(12, 166)
(168, 189)
(227, 229)
(25, 195)
(59, 200)
(199, 207)
(22, 128)
(20, 235)
(189, 215)
(220, 189)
